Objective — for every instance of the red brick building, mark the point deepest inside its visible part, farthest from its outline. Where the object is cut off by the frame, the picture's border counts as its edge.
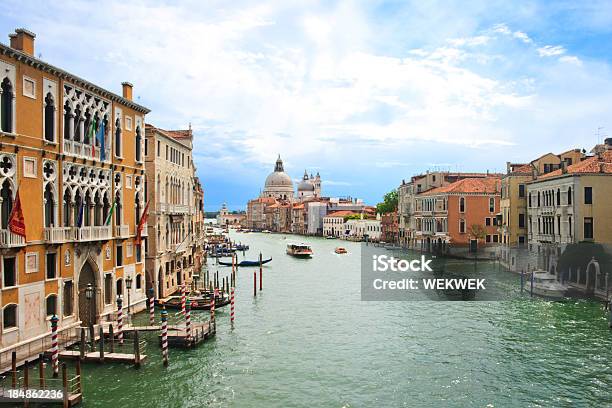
(390, 227)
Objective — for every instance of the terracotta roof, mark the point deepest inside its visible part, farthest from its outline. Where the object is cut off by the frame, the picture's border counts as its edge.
(341, 213)
(468, 185)
(298, 206)
(525, 168)
(181, 134)
(595, 164)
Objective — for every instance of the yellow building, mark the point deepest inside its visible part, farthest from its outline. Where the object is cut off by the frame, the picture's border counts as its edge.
(71, 175)
(512, 219)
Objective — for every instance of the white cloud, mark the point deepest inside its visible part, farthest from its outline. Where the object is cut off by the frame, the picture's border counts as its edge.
(571, 59)
(551, 50)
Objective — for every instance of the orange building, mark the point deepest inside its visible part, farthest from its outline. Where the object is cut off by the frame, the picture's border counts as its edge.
(460, 214)
(73, 150)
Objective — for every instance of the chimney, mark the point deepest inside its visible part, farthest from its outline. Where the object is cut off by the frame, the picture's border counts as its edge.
(563, 166)
(127, 90)
(23, 40)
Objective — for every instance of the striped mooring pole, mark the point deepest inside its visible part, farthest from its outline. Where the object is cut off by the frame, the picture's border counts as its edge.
(188, 320)
(151, 306)
(232, 305)
(183, 298)
(54, 347)
(120, 319)
(212, 307)
(164, 333)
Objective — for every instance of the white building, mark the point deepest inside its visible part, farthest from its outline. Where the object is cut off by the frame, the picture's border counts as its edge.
(363, 228)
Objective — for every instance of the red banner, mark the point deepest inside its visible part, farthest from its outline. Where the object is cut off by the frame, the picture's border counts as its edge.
(16, 221)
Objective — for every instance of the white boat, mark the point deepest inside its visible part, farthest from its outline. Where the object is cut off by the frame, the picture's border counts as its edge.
(546, 285)
(299, 250)
(266, 232)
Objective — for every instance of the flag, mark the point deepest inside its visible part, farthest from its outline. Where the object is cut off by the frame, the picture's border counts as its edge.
(100, 139)
(109, 217)
(80, 216)
(90, 134)
(141, 223)
(16, 222)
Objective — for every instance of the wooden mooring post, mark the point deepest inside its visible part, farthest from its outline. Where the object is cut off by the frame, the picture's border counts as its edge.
(14, 369)
(111, 337)
(101, 344)
(82, 344)
(41, 371)
(136, 349)
(254, 283)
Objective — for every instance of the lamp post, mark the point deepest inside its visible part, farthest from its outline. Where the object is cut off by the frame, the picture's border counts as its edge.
(128, 286)
(89, 292)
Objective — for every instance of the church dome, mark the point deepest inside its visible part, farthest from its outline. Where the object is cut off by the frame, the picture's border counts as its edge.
(306, 184)
(278, 181)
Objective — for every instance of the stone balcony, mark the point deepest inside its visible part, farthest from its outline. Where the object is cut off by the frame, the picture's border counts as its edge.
(122, 231)
(85, 150)
(58, 235)
(9, 239)
(93, 233)
(174, 208)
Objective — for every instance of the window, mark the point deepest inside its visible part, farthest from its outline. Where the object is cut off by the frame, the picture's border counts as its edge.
(488, 238)
(108, 289)
(491, 204)
(521, 240)
(522, 191)
(158, 148)
(559, 224)
(166, 152)
(569, 196)
(558, 196)
(68, 297)
(49, 118)
(9, 272)
(487, 221)
(51, 305)
(119, 286)
(139, 281)
(51, 265)
(521, 220)
(588, 195)
(138, 144)
(119, 255)
(462, 204)
(494, 220)
(49, 203)
(588, 228)
(118, 138)
(462, 226)
(569, 223)
(538, 198)
(9, 316)
(495, 238)
(139, 253)
(29, 87)
(6, 106)
(146, 147)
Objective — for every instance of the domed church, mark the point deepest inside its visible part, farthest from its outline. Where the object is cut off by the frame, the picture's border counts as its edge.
(280, 186)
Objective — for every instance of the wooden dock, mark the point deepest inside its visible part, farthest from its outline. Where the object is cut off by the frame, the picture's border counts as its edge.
(200, 331)
(94, 356)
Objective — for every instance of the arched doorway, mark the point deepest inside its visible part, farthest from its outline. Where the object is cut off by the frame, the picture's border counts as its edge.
(87, 307)
(591, 275)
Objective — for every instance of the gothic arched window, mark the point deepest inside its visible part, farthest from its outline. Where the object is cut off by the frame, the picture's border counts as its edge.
(49, 206)
(118, 210)
(77, 124)
(87, 210)
(6, 106)
(67, 204)
(97, 210)
(6, 193)
(67, 121)
(138, 143)
(137, 217)
(78, 201)
(49, 118)
(118, 137)
(105, 208)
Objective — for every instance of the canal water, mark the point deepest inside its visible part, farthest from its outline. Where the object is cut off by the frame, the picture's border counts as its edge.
(308, 340)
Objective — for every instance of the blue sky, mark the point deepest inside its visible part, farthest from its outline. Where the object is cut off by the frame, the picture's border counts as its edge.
(367, 93)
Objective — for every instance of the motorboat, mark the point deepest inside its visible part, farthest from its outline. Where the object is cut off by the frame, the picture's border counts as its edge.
(546, 285)
(340, 250)
(299, 250)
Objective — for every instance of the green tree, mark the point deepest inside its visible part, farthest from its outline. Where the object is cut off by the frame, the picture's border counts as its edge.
(389, 203)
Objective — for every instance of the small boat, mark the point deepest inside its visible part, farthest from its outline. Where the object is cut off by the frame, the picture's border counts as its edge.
(546, 285)
(299, 250)
(246, 263)
(330, 237)
(266, 232)
(201, 302)
(241, 247)
(340, 250)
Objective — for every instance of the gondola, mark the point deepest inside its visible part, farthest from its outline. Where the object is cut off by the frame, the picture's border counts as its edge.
(246, 263)
(197, 302)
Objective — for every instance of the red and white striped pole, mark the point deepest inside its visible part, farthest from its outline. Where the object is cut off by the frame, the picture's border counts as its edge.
(183, 298)
(164, 333)
(54, 347)
(188, 320)
(232, 305)
(152, 306)
(120, 319)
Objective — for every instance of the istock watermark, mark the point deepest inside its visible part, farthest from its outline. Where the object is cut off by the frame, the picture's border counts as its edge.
(408, 275)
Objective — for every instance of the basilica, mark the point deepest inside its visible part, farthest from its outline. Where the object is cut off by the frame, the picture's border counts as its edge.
(280, 186)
